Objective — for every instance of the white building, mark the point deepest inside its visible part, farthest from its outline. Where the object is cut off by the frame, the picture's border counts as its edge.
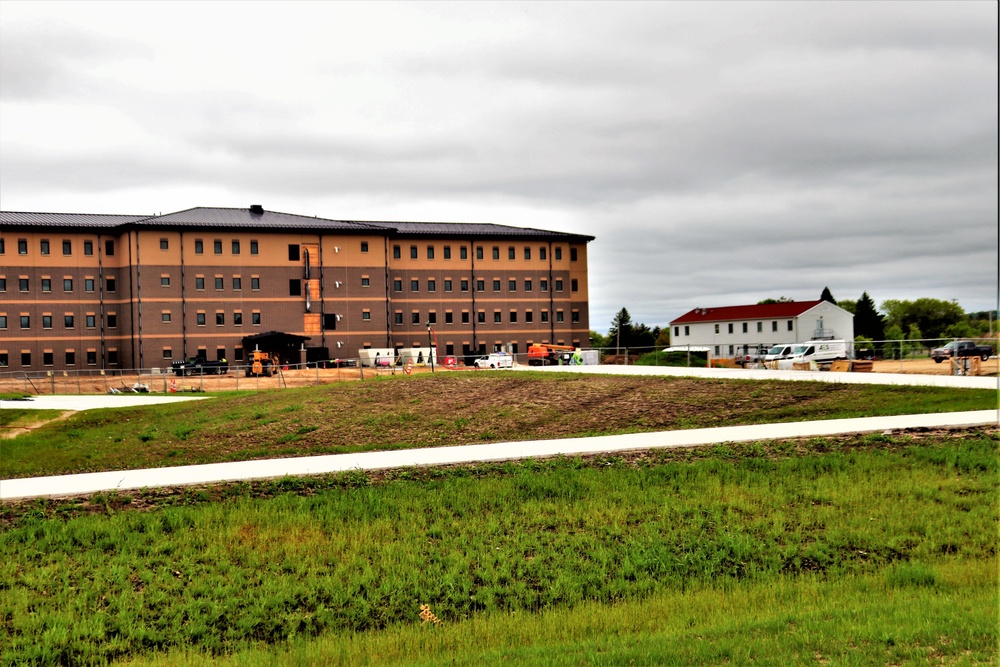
(733, 330)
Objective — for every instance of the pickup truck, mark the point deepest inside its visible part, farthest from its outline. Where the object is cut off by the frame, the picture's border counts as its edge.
(200, 366)
(961, 348)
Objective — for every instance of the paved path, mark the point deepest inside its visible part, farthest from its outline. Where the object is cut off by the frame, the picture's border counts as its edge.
(91, 402)
(68, 485)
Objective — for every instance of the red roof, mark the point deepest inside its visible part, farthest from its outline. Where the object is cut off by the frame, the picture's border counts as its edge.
(760, 311)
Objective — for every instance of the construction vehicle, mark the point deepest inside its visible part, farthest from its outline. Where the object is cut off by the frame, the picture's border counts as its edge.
(544, 354)
(260, 363)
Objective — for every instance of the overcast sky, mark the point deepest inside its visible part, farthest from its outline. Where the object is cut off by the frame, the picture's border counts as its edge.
(721, 153)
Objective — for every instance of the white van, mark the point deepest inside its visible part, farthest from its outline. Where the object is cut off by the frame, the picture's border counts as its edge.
(819, 351)
(783, 351)
(495, 360)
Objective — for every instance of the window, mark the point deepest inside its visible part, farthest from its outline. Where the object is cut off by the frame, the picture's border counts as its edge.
(541, 254)
(465, 317)
(164, 244)
(112, 321)
(22, 246)
(527, 252)
(200, 319)
(199, 283)
(293, 252)
(481, 317)
(364, 246)
(512, 285)
(366, 314)
(480, 285)
(414, 285)
(109, 248)
(513, 317)
(67, 247)
(22, 284)
(44, 247)
(46, 284)
(164, 281)
(572, 254)
(25, 321)
(415, 317)
(3, 321)
(677, 331)
(254, 248)
(559, 316)
(3, 246)
(543, 285)
(217, 246)
(68, 321)
(791, 327)
(496, 317)
(413, 252)
(255, 283)
(26, 358)
(760, 327)
(430, 252)
(199, 247)
(88, 284)
(365, 281)
(479, 252)
(113, 357)
(237, 319)
(447, 252)
(449, 317)
(329, 322)
(91, 321)
(529, 316)
(168, 353)
(716, 328)
(447, 285)
(559, 285)
(70, 358)
(745, 327)
(92, 357)
(236, 247)
(558, 251)
(219, 283)
(496, 252)
(397, 285)
(220, 319)
(237, 283)
(3, 284)
(432, 285)
(774, 325)
(463, 252)
(294, 287)
(399, 318)
(165, 316)
(687, 330)
(576, 316)
(496, 285)
(545, 316)
(396, 252)
(109, 284)
(255, 319)
(527, 285)
(510, 252)
(464, 284)
(432, 318)
(574, 285)
(88, 248)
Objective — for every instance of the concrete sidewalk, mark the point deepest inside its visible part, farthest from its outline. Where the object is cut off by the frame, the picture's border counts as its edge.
(69, 485)
(92, 402)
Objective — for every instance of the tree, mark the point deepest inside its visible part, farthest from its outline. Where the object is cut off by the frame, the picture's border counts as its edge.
(867, 321)
(827, 296)
(597, 340)
(621, 329)
(783, 299)
(663, 338)
(931, 316)
(849, 306)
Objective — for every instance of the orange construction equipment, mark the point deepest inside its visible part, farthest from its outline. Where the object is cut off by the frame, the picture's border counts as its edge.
(544, 354)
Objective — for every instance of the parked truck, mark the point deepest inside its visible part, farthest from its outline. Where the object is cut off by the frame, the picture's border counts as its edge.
(200, 366)
(961, 348)
(821, 352)
(495, 360)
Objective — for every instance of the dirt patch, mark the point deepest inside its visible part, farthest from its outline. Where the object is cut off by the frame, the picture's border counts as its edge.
(14, 431)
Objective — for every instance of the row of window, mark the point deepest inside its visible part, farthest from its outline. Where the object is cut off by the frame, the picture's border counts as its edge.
(48, 358)
(69, 320)
(512, 317)
(235, 246)
(45, 247)
(201, 318)
(731, 327)
(463, 252)
(431, 285)
(24, 284)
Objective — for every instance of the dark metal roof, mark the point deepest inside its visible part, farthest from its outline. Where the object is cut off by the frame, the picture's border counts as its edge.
(760, 311)
(99, 220)
(244, 218)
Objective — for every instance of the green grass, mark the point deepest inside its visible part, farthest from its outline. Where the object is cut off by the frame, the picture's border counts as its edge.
(430, 411)
(863, 549)
(673, 358)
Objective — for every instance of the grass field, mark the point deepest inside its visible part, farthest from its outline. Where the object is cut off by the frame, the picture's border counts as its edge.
(436, 410)
(861, 550)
